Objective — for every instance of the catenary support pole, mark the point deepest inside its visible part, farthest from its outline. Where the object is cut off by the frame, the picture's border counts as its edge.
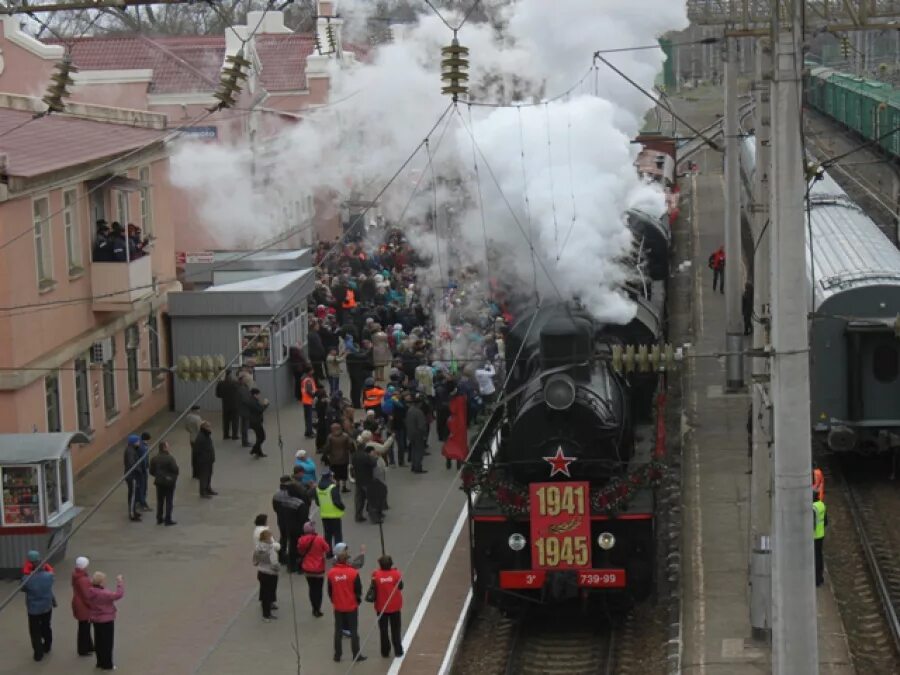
(794, 639)
(761, 461)
(734, 268)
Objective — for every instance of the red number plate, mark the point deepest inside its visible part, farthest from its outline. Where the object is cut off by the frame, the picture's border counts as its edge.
(601, 578)
(522, 579)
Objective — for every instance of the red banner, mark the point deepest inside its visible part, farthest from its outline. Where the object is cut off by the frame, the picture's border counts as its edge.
(457, 444)
(560, 525)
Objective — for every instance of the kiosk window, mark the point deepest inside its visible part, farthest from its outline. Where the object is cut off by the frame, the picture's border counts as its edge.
(51, 487)
(65, 495)
(21, 496)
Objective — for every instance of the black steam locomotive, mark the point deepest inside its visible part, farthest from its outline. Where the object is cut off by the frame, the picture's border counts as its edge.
(552, 462)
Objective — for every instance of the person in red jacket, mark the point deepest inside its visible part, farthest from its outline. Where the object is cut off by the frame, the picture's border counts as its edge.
(717, 265)
(345, 593)
(388, 583)
(81, 606)
(312, 549)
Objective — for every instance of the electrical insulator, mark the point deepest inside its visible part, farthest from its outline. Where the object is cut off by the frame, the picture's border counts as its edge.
(643, 359)
(330, 36)
(207, 368)
(845, 47)
(230, 83)
(318, 43)
(617, 358)
(183, 368)
(654, 357)
(59, 87)
(629, 358)
(196, 368)
(454, 69)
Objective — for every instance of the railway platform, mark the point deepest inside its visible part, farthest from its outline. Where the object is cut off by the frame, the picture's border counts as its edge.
(716, 613)
(190, 602)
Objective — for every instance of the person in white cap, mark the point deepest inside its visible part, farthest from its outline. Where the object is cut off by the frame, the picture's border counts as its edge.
(302, 461)
(81, 607)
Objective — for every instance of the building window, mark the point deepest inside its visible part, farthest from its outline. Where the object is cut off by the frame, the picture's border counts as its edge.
(122, 208)
(885, 364)
(146, 198)
(132, 352)
(82, 396)
(51, 391)
(42, 249)
(109, 382)
(73, 230)
(153, 332)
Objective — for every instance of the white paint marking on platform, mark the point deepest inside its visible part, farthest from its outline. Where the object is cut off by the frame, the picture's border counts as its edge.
(422, 607)
(699, 580)
(456, 638)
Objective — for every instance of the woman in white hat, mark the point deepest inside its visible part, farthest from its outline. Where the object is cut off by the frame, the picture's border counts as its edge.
(81, 606)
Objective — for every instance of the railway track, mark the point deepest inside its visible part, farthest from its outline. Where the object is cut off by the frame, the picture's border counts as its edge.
(545, 646)
(862, 554)
(540, 643)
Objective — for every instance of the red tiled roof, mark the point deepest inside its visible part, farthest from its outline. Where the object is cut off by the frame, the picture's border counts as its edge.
(179, 64)
(56, 142)
(192, 63)
(283, 60)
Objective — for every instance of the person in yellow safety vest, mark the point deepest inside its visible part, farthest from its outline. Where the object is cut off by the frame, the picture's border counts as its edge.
(308, 390)
(818, 483)
(373, 395)
(331, 509)
(349, 299)
(819, 522)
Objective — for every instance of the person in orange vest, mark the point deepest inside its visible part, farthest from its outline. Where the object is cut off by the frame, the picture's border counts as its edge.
(373, 395)
(387, 584)
(717, 265)
(818, 482)
(345, 593)
(349, 299)
(308, 390)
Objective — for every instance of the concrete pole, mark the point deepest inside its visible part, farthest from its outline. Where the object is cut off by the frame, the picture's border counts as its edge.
(734, 324)
(794, 640)
(761, 462)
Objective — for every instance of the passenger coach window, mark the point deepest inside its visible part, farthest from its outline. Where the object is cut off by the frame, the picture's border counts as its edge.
(885, 363)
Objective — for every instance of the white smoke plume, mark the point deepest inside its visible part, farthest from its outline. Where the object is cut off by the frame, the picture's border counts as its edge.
(579, 144)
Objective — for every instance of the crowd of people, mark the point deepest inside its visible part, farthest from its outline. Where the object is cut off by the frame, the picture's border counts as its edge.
(407, 351)
(115, 244)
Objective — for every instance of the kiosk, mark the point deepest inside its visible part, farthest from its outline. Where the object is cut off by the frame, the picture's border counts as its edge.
(37, 508)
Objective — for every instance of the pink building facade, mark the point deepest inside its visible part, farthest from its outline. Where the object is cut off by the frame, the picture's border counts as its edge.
(177, 77)
(79, 340)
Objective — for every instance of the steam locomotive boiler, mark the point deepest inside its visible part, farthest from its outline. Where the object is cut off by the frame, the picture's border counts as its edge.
(557, 511)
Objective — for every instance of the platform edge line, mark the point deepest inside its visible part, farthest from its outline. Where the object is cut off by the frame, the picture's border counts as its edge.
(425, 601)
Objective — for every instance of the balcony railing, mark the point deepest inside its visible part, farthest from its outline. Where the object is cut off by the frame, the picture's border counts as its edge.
(117, 286)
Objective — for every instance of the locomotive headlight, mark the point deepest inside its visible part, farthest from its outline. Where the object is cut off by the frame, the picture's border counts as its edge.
(606, 540)
(559, 392)
(517, 541)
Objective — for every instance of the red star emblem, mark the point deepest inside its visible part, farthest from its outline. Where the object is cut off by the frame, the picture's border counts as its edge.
(559, 463)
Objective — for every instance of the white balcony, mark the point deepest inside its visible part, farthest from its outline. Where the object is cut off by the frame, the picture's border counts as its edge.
(117, 286)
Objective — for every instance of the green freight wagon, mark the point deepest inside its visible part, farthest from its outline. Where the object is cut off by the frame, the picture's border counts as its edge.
(868, 107)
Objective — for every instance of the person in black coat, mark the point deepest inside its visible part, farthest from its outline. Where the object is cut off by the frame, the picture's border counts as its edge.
(227, 390)
(316, 350)
(299, 365)
(245, 400)
(323, 423)
(747, 308)
(363, 471)
(206, 457)
(102, 245)
(359, 366)
(256, 406)
(291, 506)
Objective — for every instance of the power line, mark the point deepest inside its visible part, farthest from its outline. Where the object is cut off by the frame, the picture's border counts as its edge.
(665, 106)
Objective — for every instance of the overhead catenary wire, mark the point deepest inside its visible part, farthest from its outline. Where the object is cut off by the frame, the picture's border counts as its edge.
(525, 196)
(712, 144)
(487, 261)
(338, 245)
(552, 188)
(571, 183)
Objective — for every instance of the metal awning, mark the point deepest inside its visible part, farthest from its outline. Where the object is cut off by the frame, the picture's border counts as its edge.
(122, 183)
(33, 448)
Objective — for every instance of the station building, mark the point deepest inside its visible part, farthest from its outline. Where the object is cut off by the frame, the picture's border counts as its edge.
(79, 340)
